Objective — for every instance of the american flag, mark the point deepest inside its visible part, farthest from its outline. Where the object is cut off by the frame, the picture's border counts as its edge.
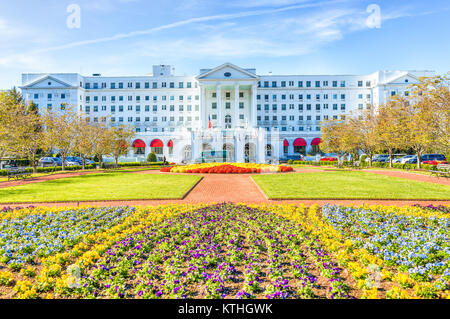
(209, 122)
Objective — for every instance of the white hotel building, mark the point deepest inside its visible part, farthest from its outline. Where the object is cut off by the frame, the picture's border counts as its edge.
(256, 118)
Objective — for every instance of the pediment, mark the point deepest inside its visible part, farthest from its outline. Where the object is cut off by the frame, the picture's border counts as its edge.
(406, 78)
(227, 71)
(47, 81)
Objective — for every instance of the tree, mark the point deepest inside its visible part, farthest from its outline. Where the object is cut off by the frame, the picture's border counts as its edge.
(366, 132)
(20, 127)
(333, 141)
(431, 109)
(84, 139)
(122, 136)
(61, 132)
(103, 141)
(29, 136)
(423, 128)
(392, 120)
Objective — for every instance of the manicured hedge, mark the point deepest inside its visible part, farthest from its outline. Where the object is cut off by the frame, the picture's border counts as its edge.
(133, 164)
(365, 164)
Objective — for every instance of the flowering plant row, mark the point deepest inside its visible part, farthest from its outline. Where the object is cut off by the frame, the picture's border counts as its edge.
(390, 269)
(225, 251)
(227, 168)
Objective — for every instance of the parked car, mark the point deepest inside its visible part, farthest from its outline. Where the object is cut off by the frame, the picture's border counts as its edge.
(74, 159)
(403, 160)
(396, 157)
(49, 161)
(433, 157)
(412, 160)
(286, 158)
(381, 158)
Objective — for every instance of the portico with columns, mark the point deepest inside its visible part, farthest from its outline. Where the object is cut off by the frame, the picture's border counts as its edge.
(229, 113)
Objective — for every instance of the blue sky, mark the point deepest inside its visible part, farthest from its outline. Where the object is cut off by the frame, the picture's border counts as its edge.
(126, 37)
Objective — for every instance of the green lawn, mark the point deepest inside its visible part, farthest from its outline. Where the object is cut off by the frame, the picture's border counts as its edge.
(347, 184)
(106, 186)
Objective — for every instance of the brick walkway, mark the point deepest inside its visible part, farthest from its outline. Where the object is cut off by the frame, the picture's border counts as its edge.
(216, 188)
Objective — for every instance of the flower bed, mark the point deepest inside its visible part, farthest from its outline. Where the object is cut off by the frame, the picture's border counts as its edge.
(225, 251)
(227, 168)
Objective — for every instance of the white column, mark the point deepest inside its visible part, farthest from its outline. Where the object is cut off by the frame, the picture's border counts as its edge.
(261, 146)
(236, 105)
(254, 111)
(219, 106)
(203, 111)
(275, 142)
(239, 149)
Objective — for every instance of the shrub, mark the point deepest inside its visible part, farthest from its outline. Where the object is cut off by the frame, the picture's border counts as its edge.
(151, 157)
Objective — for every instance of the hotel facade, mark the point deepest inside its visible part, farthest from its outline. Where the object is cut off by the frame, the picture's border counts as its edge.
(254, 118)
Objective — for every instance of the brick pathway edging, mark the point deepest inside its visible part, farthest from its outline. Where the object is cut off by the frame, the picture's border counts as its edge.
(259, 188)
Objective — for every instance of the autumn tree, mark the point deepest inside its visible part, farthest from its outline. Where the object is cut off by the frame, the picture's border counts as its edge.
(122, 136)
(392, 119)
(430, 110)
(333, 137)
(366, 132)
(85, 134)
(29, 136)
(61, 132)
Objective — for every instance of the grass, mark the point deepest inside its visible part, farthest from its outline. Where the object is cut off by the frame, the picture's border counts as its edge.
(103, 186)
(347, 185)
(132, 169)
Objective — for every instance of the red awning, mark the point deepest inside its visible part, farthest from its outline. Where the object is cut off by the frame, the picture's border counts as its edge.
(170, 144)
(285, 143)
(156, 143)
(139, 143)
(299, 142)
(316, 141)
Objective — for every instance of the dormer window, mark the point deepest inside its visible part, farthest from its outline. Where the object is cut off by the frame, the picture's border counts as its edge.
(406, 80)
(49, 83)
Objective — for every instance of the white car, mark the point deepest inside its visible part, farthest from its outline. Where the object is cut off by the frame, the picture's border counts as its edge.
(404, 159)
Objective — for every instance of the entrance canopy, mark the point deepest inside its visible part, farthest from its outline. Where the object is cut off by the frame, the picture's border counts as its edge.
(170, 144)
(299, 142)
(139, 144)
(285, 143)
(156, 143)
(316, 141)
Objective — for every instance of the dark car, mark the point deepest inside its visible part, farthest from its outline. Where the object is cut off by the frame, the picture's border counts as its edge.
(383, 158)
(287, 158)
(74, 159)
(50, 161)
(432, 157)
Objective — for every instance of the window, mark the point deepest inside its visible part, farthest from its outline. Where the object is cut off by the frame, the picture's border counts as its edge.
(360, 83)
(300, 84)
(241, 105)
